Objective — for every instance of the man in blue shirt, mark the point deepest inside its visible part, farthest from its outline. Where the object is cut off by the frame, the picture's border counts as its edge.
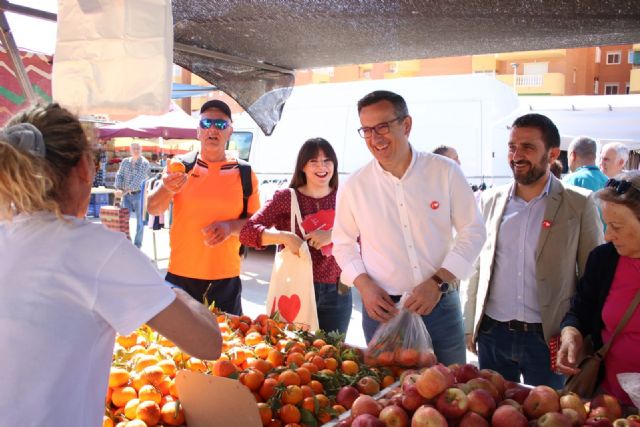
(132, 173)
(582, 163)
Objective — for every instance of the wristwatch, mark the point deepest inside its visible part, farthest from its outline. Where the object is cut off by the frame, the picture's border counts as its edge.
(442, 285)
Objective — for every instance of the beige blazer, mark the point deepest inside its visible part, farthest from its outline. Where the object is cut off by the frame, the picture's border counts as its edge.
(561, 253)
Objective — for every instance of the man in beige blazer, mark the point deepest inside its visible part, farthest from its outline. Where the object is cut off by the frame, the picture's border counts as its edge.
(539, 235)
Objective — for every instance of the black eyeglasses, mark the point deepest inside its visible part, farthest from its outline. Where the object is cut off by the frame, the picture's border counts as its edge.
(379, 129)
(621, 186)
(219, 124)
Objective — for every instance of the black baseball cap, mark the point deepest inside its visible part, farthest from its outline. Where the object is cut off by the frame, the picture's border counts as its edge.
(217, 104)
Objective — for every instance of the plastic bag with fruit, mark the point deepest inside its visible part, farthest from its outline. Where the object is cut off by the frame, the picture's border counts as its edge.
(402, 341)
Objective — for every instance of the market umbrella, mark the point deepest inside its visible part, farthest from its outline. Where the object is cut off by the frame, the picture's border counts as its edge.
(175, 124)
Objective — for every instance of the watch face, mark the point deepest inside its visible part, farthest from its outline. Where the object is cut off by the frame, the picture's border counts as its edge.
(444, 287)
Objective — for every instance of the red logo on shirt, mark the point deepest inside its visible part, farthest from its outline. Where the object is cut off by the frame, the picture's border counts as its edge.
(546, 223)
(435, 205)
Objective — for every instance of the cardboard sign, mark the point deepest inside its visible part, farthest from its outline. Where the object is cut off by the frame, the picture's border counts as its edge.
(321, 220)
(210, 401)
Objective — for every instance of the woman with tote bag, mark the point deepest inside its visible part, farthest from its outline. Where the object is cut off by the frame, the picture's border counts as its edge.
(312, 192)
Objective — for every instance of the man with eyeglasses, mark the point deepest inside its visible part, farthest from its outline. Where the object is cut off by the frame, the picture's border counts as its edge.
(208, 204)
(402, 208)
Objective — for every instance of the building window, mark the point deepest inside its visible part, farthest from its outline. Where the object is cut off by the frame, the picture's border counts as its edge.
(627, 89)
(598, 55)
(630, 57)
(613, 58)
(611, 88)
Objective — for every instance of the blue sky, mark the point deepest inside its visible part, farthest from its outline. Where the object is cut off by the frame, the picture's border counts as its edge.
(31, 33)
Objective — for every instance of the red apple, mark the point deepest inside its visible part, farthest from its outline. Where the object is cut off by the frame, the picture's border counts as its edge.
(554, 419)
(495, 378)
(447, 373)
(394, 416)
(573, 401)
(574, 417)
(518, 393)
(412, 399)
(621, 422)
(428, 416)
(432, 382)
(599, 422)
(481, 402)
(513, 403)
(464, 387)
(347, 395)
(611, 403)
(367, 420)
(467, 372)
(345, 422)
(427, 359)
(508, 416)
(452, 403)
(634, 420)
(409, 380)
(368, 385)
(541, 399)
(471, 419)
(600, 411)
(365, 404)
(484, 384)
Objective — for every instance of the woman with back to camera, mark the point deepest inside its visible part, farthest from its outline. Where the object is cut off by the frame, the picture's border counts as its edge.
(315, 181)
(610, 282)
(67, 285)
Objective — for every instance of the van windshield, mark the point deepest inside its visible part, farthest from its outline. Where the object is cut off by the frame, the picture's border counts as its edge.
(240, 142)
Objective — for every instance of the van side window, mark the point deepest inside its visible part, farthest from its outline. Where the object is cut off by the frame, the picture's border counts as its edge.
(241, 143)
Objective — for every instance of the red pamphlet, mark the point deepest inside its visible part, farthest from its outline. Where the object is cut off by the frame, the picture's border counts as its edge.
(321, 220)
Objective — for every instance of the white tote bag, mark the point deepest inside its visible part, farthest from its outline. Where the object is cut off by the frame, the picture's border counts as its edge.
(291, 291)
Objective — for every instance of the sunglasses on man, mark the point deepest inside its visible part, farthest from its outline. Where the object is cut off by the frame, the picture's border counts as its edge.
(622, 186)
(219, 124)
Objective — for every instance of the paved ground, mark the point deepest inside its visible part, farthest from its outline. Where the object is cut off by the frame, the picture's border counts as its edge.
(256, 272)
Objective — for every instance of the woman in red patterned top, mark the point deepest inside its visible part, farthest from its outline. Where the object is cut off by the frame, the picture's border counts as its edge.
(315, 181)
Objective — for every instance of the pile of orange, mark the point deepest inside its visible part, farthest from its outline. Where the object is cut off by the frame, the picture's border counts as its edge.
(293, 375)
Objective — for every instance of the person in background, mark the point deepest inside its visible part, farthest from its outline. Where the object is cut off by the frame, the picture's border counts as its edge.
(609, 284)
(315, 180)
(394, 228)
(556, 169)
(68, 285)
(133, 172)
(154, 166)
(613, 157)
(450, 152)
(581, 157)
(540, 234)
(207, 209)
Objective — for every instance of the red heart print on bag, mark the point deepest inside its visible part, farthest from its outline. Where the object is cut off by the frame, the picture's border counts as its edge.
(289, 307)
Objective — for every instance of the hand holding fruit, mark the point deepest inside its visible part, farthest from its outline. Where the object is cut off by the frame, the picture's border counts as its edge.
(570, 346)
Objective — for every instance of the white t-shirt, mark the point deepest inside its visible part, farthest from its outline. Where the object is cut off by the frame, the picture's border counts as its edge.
(65, 289)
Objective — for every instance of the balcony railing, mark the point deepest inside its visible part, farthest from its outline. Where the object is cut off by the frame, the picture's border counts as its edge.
(530, 80)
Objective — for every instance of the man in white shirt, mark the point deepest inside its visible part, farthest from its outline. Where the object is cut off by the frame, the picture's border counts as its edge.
(613, 157)
(403, 207)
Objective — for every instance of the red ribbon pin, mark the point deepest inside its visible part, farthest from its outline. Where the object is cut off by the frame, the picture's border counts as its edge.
(546, 223)
(435, 205)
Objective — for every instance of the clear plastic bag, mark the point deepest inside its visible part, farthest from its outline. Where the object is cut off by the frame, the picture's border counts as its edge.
(630, 383)
(402, 341)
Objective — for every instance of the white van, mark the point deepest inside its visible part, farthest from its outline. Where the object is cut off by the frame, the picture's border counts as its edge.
(468, 112)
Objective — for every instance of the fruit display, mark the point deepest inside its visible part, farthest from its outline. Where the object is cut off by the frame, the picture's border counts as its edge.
(296, 377)
(464, 396)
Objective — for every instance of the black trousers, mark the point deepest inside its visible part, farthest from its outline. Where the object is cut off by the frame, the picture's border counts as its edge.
(224, 292)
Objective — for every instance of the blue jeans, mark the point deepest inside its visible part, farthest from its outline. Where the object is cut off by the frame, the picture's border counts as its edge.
(444, 324)
(133, 202)
(512, 353)
(334, 310)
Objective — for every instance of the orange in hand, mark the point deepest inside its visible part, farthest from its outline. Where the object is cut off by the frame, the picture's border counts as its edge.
(176, 165)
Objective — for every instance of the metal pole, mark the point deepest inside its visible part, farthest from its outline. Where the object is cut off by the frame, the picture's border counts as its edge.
(10, 44)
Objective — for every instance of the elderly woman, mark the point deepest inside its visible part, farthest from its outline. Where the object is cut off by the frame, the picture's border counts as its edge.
(67, 285)
(610, 282)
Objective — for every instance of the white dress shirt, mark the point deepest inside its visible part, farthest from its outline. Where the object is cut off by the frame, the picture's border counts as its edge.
(514, 287)
(406, 225)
